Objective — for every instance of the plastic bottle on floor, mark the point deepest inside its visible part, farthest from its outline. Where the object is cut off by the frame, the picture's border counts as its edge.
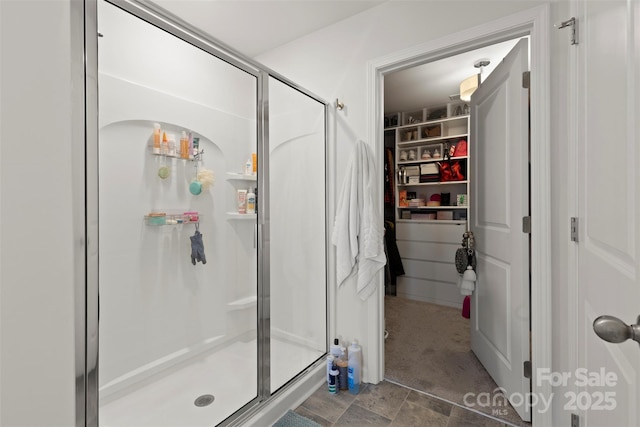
(335, 348)
(333, 381)
(343, 366)
(330, 362)
(355, 367)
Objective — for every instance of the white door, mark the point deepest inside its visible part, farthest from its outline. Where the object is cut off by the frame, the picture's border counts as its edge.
(499, 200)
(608, 159)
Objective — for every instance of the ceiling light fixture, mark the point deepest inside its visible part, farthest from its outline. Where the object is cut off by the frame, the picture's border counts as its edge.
(471, 83)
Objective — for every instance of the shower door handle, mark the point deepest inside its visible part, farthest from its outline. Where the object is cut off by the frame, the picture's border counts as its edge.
(612, 329)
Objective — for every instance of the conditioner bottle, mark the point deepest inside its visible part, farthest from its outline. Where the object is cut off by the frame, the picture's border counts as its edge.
(355, 367)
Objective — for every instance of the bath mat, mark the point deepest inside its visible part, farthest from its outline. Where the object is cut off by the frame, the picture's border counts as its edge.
(292, 419)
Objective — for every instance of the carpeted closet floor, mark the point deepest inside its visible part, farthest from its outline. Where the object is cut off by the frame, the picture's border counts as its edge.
(428, 348)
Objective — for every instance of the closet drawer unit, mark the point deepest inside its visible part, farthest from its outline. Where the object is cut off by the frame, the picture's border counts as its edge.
(438, 233)
(427, 251)
(429, 270)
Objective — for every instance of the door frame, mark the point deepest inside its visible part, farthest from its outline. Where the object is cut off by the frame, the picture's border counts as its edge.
(534, 22)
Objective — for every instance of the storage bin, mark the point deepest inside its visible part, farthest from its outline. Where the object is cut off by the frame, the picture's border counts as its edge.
(444, 215)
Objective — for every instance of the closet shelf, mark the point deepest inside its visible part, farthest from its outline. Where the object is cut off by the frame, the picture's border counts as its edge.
(430, 140)
(433, 183)
(432, 207)
(433, 221)
(440, 159)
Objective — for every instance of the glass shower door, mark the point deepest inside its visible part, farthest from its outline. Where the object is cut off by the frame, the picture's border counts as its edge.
(297, 217)
(177, 246)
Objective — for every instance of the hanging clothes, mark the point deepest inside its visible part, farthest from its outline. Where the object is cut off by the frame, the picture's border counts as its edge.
(389, 195)
(394, 267)
(358, 229)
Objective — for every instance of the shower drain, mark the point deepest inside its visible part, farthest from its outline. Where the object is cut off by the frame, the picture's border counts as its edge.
(204, 400)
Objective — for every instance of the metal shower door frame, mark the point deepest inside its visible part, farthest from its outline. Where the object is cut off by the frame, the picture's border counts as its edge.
(85, 20)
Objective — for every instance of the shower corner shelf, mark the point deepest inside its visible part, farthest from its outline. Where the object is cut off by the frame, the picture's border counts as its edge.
(242, 303)
(193, 158)
(158, 219)
(233, 176)
(239, 216)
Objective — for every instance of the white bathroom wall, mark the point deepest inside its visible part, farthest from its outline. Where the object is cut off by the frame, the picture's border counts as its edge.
(37, 304)
(39, 242)
(333, 63)
(156, 307)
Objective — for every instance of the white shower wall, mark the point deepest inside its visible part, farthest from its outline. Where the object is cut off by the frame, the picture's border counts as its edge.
(298, 213)
(157, 308)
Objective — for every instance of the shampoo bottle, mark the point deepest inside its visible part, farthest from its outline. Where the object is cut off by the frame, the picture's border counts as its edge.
(355, 367)
(248, 167)
(164, 145)
(172, 146)
(156, 138)
(251, 201)
(184, 145)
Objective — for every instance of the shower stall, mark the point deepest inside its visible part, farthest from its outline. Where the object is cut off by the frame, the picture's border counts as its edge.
(210, 290)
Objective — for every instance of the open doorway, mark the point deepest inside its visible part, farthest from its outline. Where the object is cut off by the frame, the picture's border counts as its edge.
(428, 343)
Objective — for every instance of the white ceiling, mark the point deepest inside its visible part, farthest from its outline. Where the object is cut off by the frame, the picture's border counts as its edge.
(430, 85)
(252, 27)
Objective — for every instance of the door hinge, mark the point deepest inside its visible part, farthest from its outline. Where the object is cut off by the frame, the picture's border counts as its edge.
(575, 420)
(526, 224)
(573, 23)
(526, 79)
(527, 369)
(574, 229)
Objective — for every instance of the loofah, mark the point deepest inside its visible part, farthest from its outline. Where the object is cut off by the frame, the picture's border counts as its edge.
(206, 178)
(164, 172)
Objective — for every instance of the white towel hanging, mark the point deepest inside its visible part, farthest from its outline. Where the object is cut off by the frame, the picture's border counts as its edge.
(358, 230)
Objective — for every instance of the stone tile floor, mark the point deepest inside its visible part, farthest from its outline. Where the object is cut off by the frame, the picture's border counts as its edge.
(388, 404)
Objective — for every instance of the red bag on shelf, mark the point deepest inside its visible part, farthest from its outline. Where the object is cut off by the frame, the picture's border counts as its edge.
(451, 171)
(461, 149)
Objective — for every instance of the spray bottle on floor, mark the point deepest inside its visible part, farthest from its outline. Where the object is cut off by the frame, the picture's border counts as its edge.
(355, 367)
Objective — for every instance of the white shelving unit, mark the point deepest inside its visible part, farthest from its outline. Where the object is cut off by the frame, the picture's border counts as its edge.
(425, 143)
(427, 244)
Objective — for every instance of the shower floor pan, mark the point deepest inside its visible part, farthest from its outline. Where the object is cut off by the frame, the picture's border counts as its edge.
(228, 375)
